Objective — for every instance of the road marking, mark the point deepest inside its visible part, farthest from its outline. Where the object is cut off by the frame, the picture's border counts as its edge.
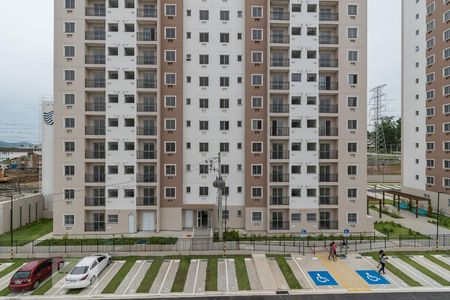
(387, 276)
(165, 277)
(196, 274)
(301, 270)
(106, 274)
(411, 269)
(226, 274)
(423, 260)
(134, 277)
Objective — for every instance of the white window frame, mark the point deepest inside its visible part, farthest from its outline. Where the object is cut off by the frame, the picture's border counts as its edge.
(257, 187)
(74, 75)
(357, 32)
(262, 57)
(348, 55)
(74, 146)
(352, 223)
(256, 75)
(443, 182)
(165, 32)
(262, 125)
(262, 169)
(443, 90)
(433, 92)
(74, 51)
(262, 147)
(357, 170)
(171, 142)
(165, 9)
(257, 221)
(262, 34)
(74, 27)
(170, 165)
(357, 9)
(74, 121)
(443, 72)
(443, 164)
(443, 109)
(443, 127)
(165, 57)
(352, 188)
(167, 97)
(262, 101)
(262, 11)
(165, 192)
(165, 78)
(64, 170)
(443, 145)
(167, 120)
(64, 220)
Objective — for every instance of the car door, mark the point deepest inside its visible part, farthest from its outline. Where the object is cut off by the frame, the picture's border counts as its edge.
(101, 262)
(93, 269)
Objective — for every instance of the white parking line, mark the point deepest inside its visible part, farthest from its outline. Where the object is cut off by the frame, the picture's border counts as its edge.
(226, 275)
(411, 270)
(196, 274)
(304, 274)
(424, 261)
(134, 277)
(165, 277)
(387, 276)
(99, 281)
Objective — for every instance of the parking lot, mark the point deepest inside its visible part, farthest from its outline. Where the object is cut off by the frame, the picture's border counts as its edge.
(190, 276)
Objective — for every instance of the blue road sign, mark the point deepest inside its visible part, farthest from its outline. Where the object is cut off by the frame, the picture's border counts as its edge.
(322, 278)
(303, 233)
(372, 277)
(346, 233)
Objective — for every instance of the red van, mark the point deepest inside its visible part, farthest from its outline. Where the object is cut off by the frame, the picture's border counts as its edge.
(31, 275)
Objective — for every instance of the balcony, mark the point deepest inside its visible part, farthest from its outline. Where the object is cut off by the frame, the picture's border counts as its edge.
(328, 225)
(95, 106)
(279, 16)
(328, 63)
(95, 154)
(279, 200)
(94, 178)
(327, 177)
(95, 35)
(146, 83)
(94, 130)
(279, 177)
(279, 85)
(327, 16)
(328, 40)
(146, 154)
(332, 154)
(147, 12)
(283, 154)
(279, 225)
(328, 86)
(279, 62)
(94, 201)
(97, 11)
(146, 177)
(146, 107)
(328, 200)
(279, 39)
(146, 131)
(279, 131)
(95, 59)
(279, 108)
(146, 60)
(146, 201)
(328, 108)
(328, 132)
(146, 37)
(94, 226)
(95, 83)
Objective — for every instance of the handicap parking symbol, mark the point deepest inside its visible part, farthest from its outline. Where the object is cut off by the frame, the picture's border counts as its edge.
(372, 277)
(322, 278)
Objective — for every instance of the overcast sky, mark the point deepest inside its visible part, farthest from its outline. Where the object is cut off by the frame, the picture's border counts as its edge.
(26, 58)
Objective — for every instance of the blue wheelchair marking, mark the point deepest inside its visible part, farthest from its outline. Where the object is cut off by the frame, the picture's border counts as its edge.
(372, 277)
(322, 278)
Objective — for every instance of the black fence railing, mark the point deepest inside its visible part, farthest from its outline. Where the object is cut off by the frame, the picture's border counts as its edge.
(95, 154)
(99, 11)
(146, 201)
(95, 106)
(95, 59)
(327, 16)
(279, 200)
(147, 12)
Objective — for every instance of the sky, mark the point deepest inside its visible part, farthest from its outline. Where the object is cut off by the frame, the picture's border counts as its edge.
(26, 61)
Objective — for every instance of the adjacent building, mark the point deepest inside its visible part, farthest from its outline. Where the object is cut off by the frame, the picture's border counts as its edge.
(147, 93)
(426, 100)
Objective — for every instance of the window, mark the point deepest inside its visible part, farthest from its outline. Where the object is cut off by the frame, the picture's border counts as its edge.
(170, 55)
(296, 100)
(170, 33)
(430, 111)
(430, 146)
(311, 8)
(352, 78)
(296, 30)
(204, 37)
(431, 25)
(203, 125)
(430, 60)
(296, 8)
(69, 27)
(352, 33)
(204, 15)
(257, 12)
(224, 37)
(430, 180)
(113, 170)
(296, 123)
(311, 193)
(311, 147)
(257, 79)
(446, 90)
(446, 164)
(257, 102)
(352, 147)
(446, 109)
(225, 169)
(69, 75)
(224, 147)
(446, 72)
(128, 146)
(311, 169)
(69, 4)
(446, 53)
(352, 55)
(296, 54)
(113, 219)
(296, 192)
(430, 77)
(296, 169)
(69, 122)
(203, 147)
(224, 81)
(129, 27)
(203, 191)
(256, 170)
(446, 16)
(352, 170)
(296, 147)
(311, 217)
(170, 192)
(224, 15)
(129, 3)
(430, 95)
(447, 146)
(352, 9)
(170, 101)
(170, 124)
(296, 77)
(352, 192)
(446, 127)
(69, 146)
(224, 59)
(352, 124)
(311, 31)
(430, 163)
(204, 169)
(69, 99)
(113, 146)
(170, 10)
(224, 103)
(257, 57)
(69, 170)
(311, 54)
(352, 218)
(113, 122)
(170, 170)
(430, 43)
(69, 194)
(204, 81)
(311, 100)
(69, 220)
(128, 122)
(257, 147)
(170, 147)
(296, 217)
(113, 193)
(256, 216)
(128, 169)
(257, 34)
(446, 35)
(69, 51)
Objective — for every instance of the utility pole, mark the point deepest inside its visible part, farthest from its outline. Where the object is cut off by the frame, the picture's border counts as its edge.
(437, 222)
(11, 225)
(219, 184)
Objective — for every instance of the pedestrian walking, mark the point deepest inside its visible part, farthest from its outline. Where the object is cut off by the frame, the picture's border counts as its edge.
(331, 252)
(334, 246)
(382, 262)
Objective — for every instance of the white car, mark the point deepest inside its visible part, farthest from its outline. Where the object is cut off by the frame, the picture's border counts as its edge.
(87, 270)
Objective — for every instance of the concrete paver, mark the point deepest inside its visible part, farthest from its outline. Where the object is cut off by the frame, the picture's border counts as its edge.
(264, 272)
(222, 276)
(168, 276)
(3, 266)
(201, 277)
(189, 286)
(162, 274)
(103, 279)
(232, 279)
(438, 270)
(277, 274)
(412, 272)
(134, 277)
(299, 273)
(252, 275)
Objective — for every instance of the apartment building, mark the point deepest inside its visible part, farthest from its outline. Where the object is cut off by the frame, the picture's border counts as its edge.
(426, 100)
(149, 92)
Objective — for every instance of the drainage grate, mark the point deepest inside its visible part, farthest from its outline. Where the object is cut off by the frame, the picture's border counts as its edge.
(282, 292)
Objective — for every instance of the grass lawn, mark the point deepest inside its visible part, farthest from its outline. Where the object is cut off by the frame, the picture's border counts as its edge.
(5, 292)
(180, 277)
(120, 275)
(287, 272)
(17, 263)
(27, 233)
(53, 280)
(150, 275)
(241, 273)
(115, 241)
(437, 261)
(424, 270)
(444, 221)
(211, 274)
(394, 231)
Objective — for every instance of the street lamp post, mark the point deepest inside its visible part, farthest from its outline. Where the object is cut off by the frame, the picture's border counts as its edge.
(437, 222)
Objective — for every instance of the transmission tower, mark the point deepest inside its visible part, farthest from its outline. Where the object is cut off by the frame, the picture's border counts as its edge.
(377, 108)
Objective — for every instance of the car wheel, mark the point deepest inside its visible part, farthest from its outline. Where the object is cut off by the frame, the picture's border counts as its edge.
(92, 280)
(36, 284)
(109, 262)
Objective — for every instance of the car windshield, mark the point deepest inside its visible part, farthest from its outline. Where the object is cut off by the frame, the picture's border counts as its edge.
(21, 275)
(79, 270)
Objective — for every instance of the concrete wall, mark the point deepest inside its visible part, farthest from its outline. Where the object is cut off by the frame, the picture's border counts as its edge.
(26, 209)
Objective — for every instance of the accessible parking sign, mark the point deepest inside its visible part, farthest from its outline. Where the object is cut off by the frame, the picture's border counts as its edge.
(372, 277)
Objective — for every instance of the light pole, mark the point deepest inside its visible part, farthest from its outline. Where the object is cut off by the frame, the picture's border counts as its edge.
(219, 184)
(437, 222)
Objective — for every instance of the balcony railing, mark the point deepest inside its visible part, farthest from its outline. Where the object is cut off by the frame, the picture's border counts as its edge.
(146, 130)
(328, 16)
(95, 35)
(146, 177)
(99, 11)
(94, 201)
(146, 37)
(147, 12)
(328, 40)
(279, 131)
(279, 200)
(95, 154)
(328, 177)
(328, 200)
(279, 108)
(279, 16)
(95, 106)
(146, 83)
(95, 178)
(146, 201)
(328, 63)
(94, 130)
(146, 107)
(95, 59)
(279, 39)
(279, 225)
(95, 83)
(331, 154)
(282, 154)
(146, 154)
(328, 225)
(328, 86)
(94, 226)
(279, 62)
(146, 60)
(279, 177)
(279, 85)
(328, 132)
(328, 108)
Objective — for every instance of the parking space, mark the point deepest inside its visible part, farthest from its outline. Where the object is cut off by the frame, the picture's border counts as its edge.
(4, 266)
(392, 278)
(134, 277)
(255, 284)
(280, 281)
(4, 281)
(166, 275)
(443, 258)
(226, 272)
(438, 270)
(299, 273)
(423, 279)
(196, 278)
(102, 281)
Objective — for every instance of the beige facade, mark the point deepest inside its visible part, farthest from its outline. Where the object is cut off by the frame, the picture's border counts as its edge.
(278, 87)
